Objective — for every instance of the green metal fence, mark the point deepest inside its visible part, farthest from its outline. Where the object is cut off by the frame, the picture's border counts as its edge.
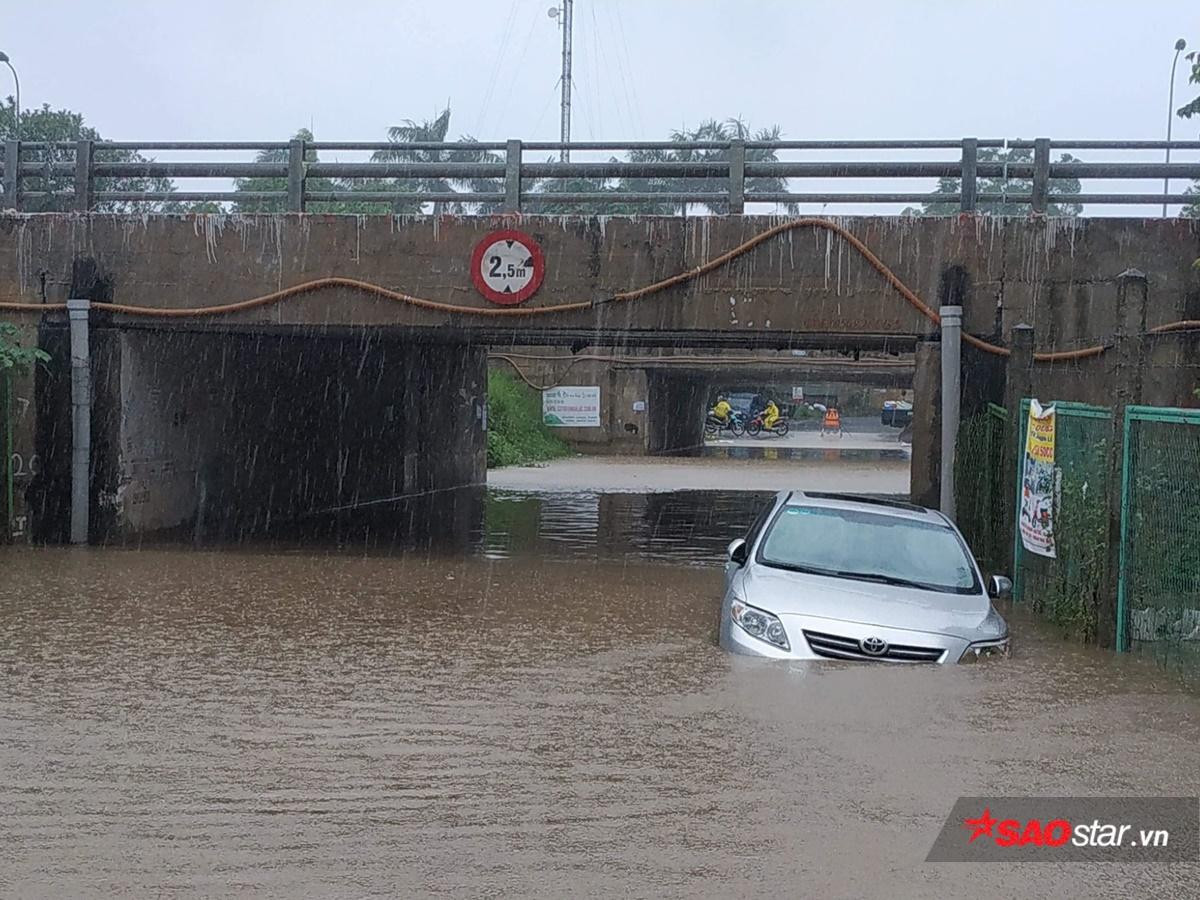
(1066, 589)
(1158, 598)
(979, 466)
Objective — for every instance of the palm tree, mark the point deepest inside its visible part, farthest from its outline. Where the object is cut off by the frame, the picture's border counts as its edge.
(548, 187)
(435, 132)
(717, 132)
(279, 185)
(712, 130)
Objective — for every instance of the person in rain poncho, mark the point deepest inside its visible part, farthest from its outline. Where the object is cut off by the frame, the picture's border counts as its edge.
(770, 414)
(720, 412)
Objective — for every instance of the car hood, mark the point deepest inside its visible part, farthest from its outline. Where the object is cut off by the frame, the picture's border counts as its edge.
(797, 593)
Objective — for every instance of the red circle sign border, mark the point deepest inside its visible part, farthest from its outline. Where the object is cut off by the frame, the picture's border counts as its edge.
(539, 267)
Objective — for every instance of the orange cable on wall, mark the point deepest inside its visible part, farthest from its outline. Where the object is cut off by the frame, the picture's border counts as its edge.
(648, 290)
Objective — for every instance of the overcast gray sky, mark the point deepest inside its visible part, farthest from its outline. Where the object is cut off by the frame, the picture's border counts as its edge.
(260, 69)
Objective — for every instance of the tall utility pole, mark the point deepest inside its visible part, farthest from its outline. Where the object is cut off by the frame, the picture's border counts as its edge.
(564, 21)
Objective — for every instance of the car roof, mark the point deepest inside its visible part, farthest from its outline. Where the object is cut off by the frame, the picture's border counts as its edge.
(866, 503)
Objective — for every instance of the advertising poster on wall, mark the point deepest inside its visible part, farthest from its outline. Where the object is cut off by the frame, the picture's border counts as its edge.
(1037, 482)
(571, 407)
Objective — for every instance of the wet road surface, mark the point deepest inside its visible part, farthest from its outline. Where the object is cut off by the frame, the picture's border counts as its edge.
(546, 715)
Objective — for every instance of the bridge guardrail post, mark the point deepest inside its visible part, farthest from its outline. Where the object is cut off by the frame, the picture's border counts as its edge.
(295, 178)
(1041, 175)
(737, 178)
(512, 176)
(12, 174)
(83, 176)
(969, 191)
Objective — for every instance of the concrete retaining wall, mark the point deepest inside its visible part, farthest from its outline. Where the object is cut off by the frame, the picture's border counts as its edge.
(220, 436)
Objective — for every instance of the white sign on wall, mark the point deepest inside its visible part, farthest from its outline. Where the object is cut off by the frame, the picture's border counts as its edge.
(571, 407)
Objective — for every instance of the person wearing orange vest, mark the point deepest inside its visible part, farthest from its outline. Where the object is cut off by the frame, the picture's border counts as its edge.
(832, 421)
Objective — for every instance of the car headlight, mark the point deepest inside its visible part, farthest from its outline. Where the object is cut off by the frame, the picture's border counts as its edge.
(759, 624)
(986, 650)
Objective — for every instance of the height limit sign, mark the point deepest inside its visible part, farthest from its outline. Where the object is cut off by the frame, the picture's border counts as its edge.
(507, 267)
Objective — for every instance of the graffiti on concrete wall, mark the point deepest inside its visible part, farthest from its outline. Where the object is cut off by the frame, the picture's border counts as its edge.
(23, 462)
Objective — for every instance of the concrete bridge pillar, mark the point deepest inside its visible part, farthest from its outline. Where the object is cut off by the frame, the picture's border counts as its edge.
(677, 405)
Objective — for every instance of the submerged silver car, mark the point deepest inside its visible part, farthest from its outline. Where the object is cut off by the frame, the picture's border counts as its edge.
(833, 576)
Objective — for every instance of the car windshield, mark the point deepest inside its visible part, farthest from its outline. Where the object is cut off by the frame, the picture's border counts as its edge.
(866, 546)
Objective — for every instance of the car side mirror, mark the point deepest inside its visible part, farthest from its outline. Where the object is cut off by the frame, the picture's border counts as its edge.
(738, 552)
(999, 586)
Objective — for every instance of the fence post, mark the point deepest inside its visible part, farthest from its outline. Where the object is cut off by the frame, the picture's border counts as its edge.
(970, 163)
(1127, 359)
(81, 418)
(1018, 384)
(12, 174)
(83, 176)
(951, 397)
(512, 176)
(1041, 174)
(737, 178)
(295, 177)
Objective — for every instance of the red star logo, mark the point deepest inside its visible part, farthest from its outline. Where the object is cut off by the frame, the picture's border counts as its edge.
(982, 825)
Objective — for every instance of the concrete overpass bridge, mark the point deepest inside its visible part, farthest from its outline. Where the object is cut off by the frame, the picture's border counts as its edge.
(879, 372)
(246, 368)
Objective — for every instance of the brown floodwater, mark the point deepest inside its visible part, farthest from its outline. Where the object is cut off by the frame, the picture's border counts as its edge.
(543, 711)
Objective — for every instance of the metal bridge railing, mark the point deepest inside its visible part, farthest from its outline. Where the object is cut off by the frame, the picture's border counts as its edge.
(78, 175)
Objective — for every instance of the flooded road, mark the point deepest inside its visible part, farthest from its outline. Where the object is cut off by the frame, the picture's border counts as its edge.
(543, 713)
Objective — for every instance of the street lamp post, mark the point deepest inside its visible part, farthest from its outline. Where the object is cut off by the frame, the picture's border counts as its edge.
(1179, 45)
(17, 86)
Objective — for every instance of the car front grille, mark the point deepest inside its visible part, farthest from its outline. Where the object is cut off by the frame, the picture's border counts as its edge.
(834, 646)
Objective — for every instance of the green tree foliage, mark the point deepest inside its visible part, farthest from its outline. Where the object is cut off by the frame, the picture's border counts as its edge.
(710, 131)
(545, 204)
(279, 185)
(62, 125)
(15, 358)
(403, 138)
(1060, 190)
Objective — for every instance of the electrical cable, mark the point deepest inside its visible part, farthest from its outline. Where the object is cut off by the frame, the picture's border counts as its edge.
(622, 296)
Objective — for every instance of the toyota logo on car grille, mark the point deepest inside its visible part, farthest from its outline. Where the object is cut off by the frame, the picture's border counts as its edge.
(873, 646)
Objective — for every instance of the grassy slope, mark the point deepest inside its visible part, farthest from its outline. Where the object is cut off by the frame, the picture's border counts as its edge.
(516, 433)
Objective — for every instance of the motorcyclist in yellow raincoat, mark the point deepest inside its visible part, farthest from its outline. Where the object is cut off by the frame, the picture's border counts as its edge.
(770, 415)
(721, 411)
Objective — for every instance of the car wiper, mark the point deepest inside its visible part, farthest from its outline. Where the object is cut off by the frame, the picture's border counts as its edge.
(881, 578)
(797, 567)
(877, 577)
